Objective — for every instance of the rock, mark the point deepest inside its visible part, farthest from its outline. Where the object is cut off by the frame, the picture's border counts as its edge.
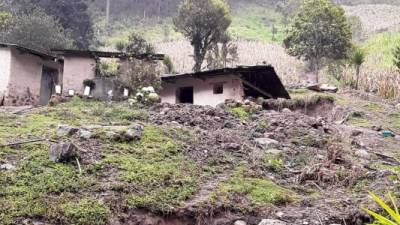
(66, 130)
(355, 133)
(267, 142)
(274, 151)
(363, 154)
(7, 166)
(272, 222)
(322, 88)
(63, 152)
(232, 146)
(286, 110)
(133, 134)
(85, 134)
(240, 222)
(279, 214)
(376, 128)
(397, 138)
(111, 135)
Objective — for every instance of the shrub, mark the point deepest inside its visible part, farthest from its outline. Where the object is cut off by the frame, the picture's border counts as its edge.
(88, 211)
(394, 215)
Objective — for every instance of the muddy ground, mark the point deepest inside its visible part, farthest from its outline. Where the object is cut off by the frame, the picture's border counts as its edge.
(308, 161)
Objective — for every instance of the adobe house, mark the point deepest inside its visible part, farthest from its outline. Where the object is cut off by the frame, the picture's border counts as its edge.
(27, 76)
(215, 86)
(30, 77)
(80, 65)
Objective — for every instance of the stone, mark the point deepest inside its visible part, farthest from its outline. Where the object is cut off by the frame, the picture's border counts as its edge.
(7, 166)
(363, 154)
(397, 138)
(267, 142)
(232, 146)
(133, 134)
(240, 222)
(286, 110)
(274, 151)
(355, 133)
(272, 222)
(113, 135)
(85, 134)
(64, 152)
(66, 130)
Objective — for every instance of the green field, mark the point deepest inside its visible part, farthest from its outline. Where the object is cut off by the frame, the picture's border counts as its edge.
(380, 48)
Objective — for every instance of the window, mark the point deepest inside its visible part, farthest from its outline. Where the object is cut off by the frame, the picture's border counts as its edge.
(218, 88)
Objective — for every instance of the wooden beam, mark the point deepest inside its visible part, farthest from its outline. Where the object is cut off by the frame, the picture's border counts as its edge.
(266, 94)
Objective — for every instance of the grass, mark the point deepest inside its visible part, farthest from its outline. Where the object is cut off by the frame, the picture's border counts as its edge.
(259, 191)
(240, 112)
(87, 211)
(157, 168)
(380, 48)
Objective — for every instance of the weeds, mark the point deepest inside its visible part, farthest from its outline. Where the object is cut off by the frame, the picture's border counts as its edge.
(393, 217)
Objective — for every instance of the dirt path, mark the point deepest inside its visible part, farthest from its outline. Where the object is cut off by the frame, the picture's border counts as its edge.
(205, 191)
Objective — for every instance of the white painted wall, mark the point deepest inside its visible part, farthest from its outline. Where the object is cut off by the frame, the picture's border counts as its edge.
(76, 70)
(5, 69)
(203, 90)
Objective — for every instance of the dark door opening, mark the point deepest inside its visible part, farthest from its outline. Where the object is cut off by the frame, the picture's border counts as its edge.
(185, 95)
(47, 86)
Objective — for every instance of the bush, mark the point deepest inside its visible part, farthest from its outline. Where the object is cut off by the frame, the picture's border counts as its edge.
(86, 212)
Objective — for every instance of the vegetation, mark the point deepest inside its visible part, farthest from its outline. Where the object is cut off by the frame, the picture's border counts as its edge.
(37, 30)
(203, 23)
(392, 211)
(319, 31)
(357, 59)
(396, 54)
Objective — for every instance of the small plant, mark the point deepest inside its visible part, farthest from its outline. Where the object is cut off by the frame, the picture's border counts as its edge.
(393, 217)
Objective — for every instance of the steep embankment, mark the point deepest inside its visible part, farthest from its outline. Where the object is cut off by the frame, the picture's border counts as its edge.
(183, 164)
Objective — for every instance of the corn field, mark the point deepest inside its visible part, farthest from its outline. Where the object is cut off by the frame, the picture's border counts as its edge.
(250, 53)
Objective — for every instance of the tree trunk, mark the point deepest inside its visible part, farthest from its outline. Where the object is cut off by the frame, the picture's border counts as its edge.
(357, 75)
(198, 59)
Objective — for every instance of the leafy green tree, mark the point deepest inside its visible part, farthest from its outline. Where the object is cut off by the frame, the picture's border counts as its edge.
(38, 30)
(138, 45)
(223, 52)
(357, 59)
(319, 31)
(73, 15)
(203, 22)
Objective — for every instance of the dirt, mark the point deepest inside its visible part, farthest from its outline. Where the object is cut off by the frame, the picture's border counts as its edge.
(320, 155)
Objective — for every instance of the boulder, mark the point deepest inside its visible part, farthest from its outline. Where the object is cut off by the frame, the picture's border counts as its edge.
(66, 130)
(355, 133)
(286, 110)
(134, 133)
(267, 142)
(7, 167)
(322, 88)
(240, 222)
(64, 152)
(363, 154)
(272, 222)
(85, 134)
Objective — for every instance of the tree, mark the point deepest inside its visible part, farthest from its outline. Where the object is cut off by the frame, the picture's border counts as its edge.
(319, 31)
(203, 22)
(357, 59)
(221, 53)
(37, 30)
(396, 55)
(72, 15)
(138, 45)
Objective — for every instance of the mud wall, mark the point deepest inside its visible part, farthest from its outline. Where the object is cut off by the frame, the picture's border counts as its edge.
(5, 63)
(203, 90)
(76, 70)
(25, 79)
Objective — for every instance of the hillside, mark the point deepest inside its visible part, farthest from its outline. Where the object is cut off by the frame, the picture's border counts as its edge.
(183, 164)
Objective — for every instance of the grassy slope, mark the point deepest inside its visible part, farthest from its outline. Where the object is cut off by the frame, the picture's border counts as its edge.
(250, 22)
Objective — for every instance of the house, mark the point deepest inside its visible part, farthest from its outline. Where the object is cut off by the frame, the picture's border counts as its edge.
(30, 77)
(27, 76)
(216, 86)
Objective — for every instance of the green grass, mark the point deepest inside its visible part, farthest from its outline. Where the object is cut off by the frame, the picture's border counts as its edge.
(259, 191)
(382, 46)
(87, 211)
(156, 167)
(240, 112)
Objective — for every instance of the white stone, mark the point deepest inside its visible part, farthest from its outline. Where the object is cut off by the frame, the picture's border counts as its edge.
(7, 167)
(86, 92)
(240, 222)
(286, 110)
(272, 222)
(267, 142)
(363, 154)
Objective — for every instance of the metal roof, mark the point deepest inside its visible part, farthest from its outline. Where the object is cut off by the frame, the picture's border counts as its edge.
(32, 51)
(103, 54)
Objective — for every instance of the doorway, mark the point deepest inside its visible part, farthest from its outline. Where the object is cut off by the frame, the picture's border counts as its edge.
(185, 95)
(47, 85)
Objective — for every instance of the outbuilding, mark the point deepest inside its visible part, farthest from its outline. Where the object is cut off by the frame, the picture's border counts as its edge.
(213, 87)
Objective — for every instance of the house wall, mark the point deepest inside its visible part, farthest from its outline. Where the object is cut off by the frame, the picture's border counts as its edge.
(76, 70)
(5, 69)
(25, 78)
(203, 90)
